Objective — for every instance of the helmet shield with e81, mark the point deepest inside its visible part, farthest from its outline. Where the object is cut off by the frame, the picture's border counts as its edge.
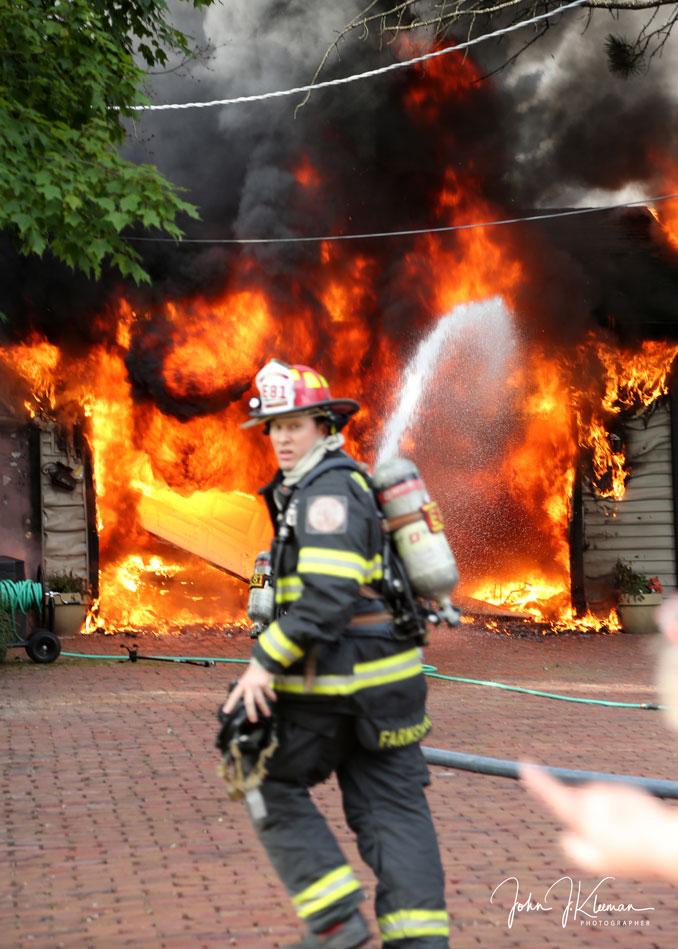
(290, 390)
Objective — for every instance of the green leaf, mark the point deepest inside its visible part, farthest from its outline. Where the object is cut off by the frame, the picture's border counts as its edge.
(22, 221)
(36, 242)
(99, 248)
(150, 218)
(130, 202)
(73, 219)
(50, 192)
(118, 220)
(106, 203)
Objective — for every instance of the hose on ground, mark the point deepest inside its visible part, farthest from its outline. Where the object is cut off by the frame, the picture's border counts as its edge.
(509, 769)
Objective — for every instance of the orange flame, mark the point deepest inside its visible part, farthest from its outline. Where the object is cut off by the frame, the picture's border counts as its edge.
(635, 380)
(36, 361)
(307, 174)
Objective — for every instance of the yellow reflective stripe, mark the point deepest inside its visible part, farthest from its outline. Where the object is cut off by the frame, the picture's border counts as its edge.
(358, 478)
(288, 589)
(340, 563)
(366, 675)
(278, 646)
(312, 381)
(396, 660)
(325, 891)
(288, 596)
(375, 569)
(332, 563)
(413, 923)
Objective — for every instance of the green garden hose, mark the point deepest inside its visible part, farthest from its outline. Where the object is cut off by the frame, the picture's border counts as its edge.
(429, 671)
(21, 595)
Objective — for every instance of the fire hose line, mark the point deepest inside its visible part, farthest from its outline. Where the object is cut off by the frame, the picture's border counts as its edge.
(510, 769)
(476, 763)
(133, 657)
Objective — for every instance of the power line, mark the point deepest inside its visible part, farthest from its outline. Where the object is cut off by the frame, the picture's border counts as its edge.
(363, 75)
(407, 233)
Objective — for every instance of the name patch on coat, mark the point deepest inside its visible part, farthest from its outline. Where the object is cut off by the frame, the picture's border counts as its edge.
(405, 736)
(327, 514)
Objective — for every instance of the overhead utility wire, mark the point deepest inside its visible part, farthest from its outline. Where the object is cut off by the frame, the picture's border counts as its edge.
(363, 75)
(414, 231)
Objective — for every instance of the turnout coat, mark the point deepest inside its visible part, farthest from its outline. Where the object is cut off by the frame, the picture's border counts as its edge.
(332, 645)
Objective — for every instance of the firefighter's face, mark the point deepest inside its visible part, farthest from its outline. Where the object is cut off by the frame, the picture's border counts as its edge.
(294, 437)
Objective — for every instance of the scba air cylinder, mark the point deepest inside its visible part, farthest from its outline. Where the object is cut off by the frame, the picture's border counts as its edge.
(417, 529)
(261, 602)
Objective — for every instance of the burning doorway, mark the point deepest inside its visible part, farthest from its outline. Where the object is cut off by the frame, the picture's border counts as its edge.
(508, 436)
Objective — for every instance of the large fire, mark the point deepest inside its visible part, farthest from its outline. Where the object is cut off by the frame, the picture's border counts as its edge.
(179, 433)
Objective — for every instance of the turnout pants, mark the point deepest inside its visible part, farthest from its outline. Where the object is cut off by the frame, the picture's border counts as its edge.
(385, 806)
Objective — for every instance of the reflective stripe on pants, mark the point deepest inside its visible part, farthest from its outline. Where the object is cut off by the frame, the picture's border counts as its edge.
(413, 924)
(385, 805)
(327, 890)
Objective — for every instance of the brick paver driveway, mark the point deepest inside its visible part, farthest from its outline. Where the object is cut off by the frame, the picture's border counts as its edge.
(118, 833)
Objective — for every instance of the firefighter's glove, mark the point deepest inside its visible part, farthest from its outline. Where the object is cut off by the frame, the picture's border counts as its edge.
(246, 747)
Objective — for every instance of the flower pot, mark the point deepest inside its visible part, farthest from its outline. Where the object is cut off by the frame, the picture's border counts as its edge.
(637, 614)
(70, 611)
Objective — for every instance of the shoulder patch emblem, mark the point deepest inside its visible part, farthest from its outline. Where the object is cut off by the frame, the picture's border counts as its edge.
(327, 514)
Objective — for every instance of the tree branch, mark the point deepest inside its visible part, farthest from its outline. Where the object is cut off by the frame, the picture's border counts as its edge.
(444, 15)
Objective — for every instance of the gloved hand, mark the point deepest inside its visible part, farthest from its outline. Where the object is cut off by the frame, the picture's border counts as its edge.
(246, 746)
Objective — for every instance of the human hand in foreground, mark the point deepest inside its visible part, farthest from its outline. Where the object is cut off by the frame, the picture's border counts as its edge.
(255, 686)
(667, 618)
(611, 828)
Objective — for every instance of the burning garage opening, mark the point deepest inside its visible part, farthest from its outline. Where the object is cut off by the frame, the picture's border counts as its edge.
(526, 369)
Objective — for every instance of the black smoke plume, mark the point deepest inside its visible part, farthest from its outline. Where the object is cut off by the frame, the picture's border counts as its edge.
(555, 130)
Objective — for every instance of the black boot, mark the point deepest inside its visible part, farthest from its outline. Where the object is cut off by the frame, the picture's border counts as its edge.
(350, 934)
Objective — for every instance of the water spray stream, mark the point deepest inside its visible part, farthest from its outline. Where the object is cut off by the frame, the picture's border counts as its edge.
(494, 317)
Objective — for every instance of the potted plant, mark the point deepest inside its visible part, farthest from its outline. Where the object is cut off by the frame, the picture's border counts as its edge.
(638, 597)
(68, 602)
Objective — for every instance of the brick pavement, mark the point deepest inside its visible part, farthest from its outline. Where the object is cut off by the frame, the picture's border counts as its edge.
(118, 833)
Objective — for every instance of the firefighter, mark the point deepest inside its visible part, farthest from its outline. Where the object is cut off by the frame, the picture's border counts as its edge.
(348, 696)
